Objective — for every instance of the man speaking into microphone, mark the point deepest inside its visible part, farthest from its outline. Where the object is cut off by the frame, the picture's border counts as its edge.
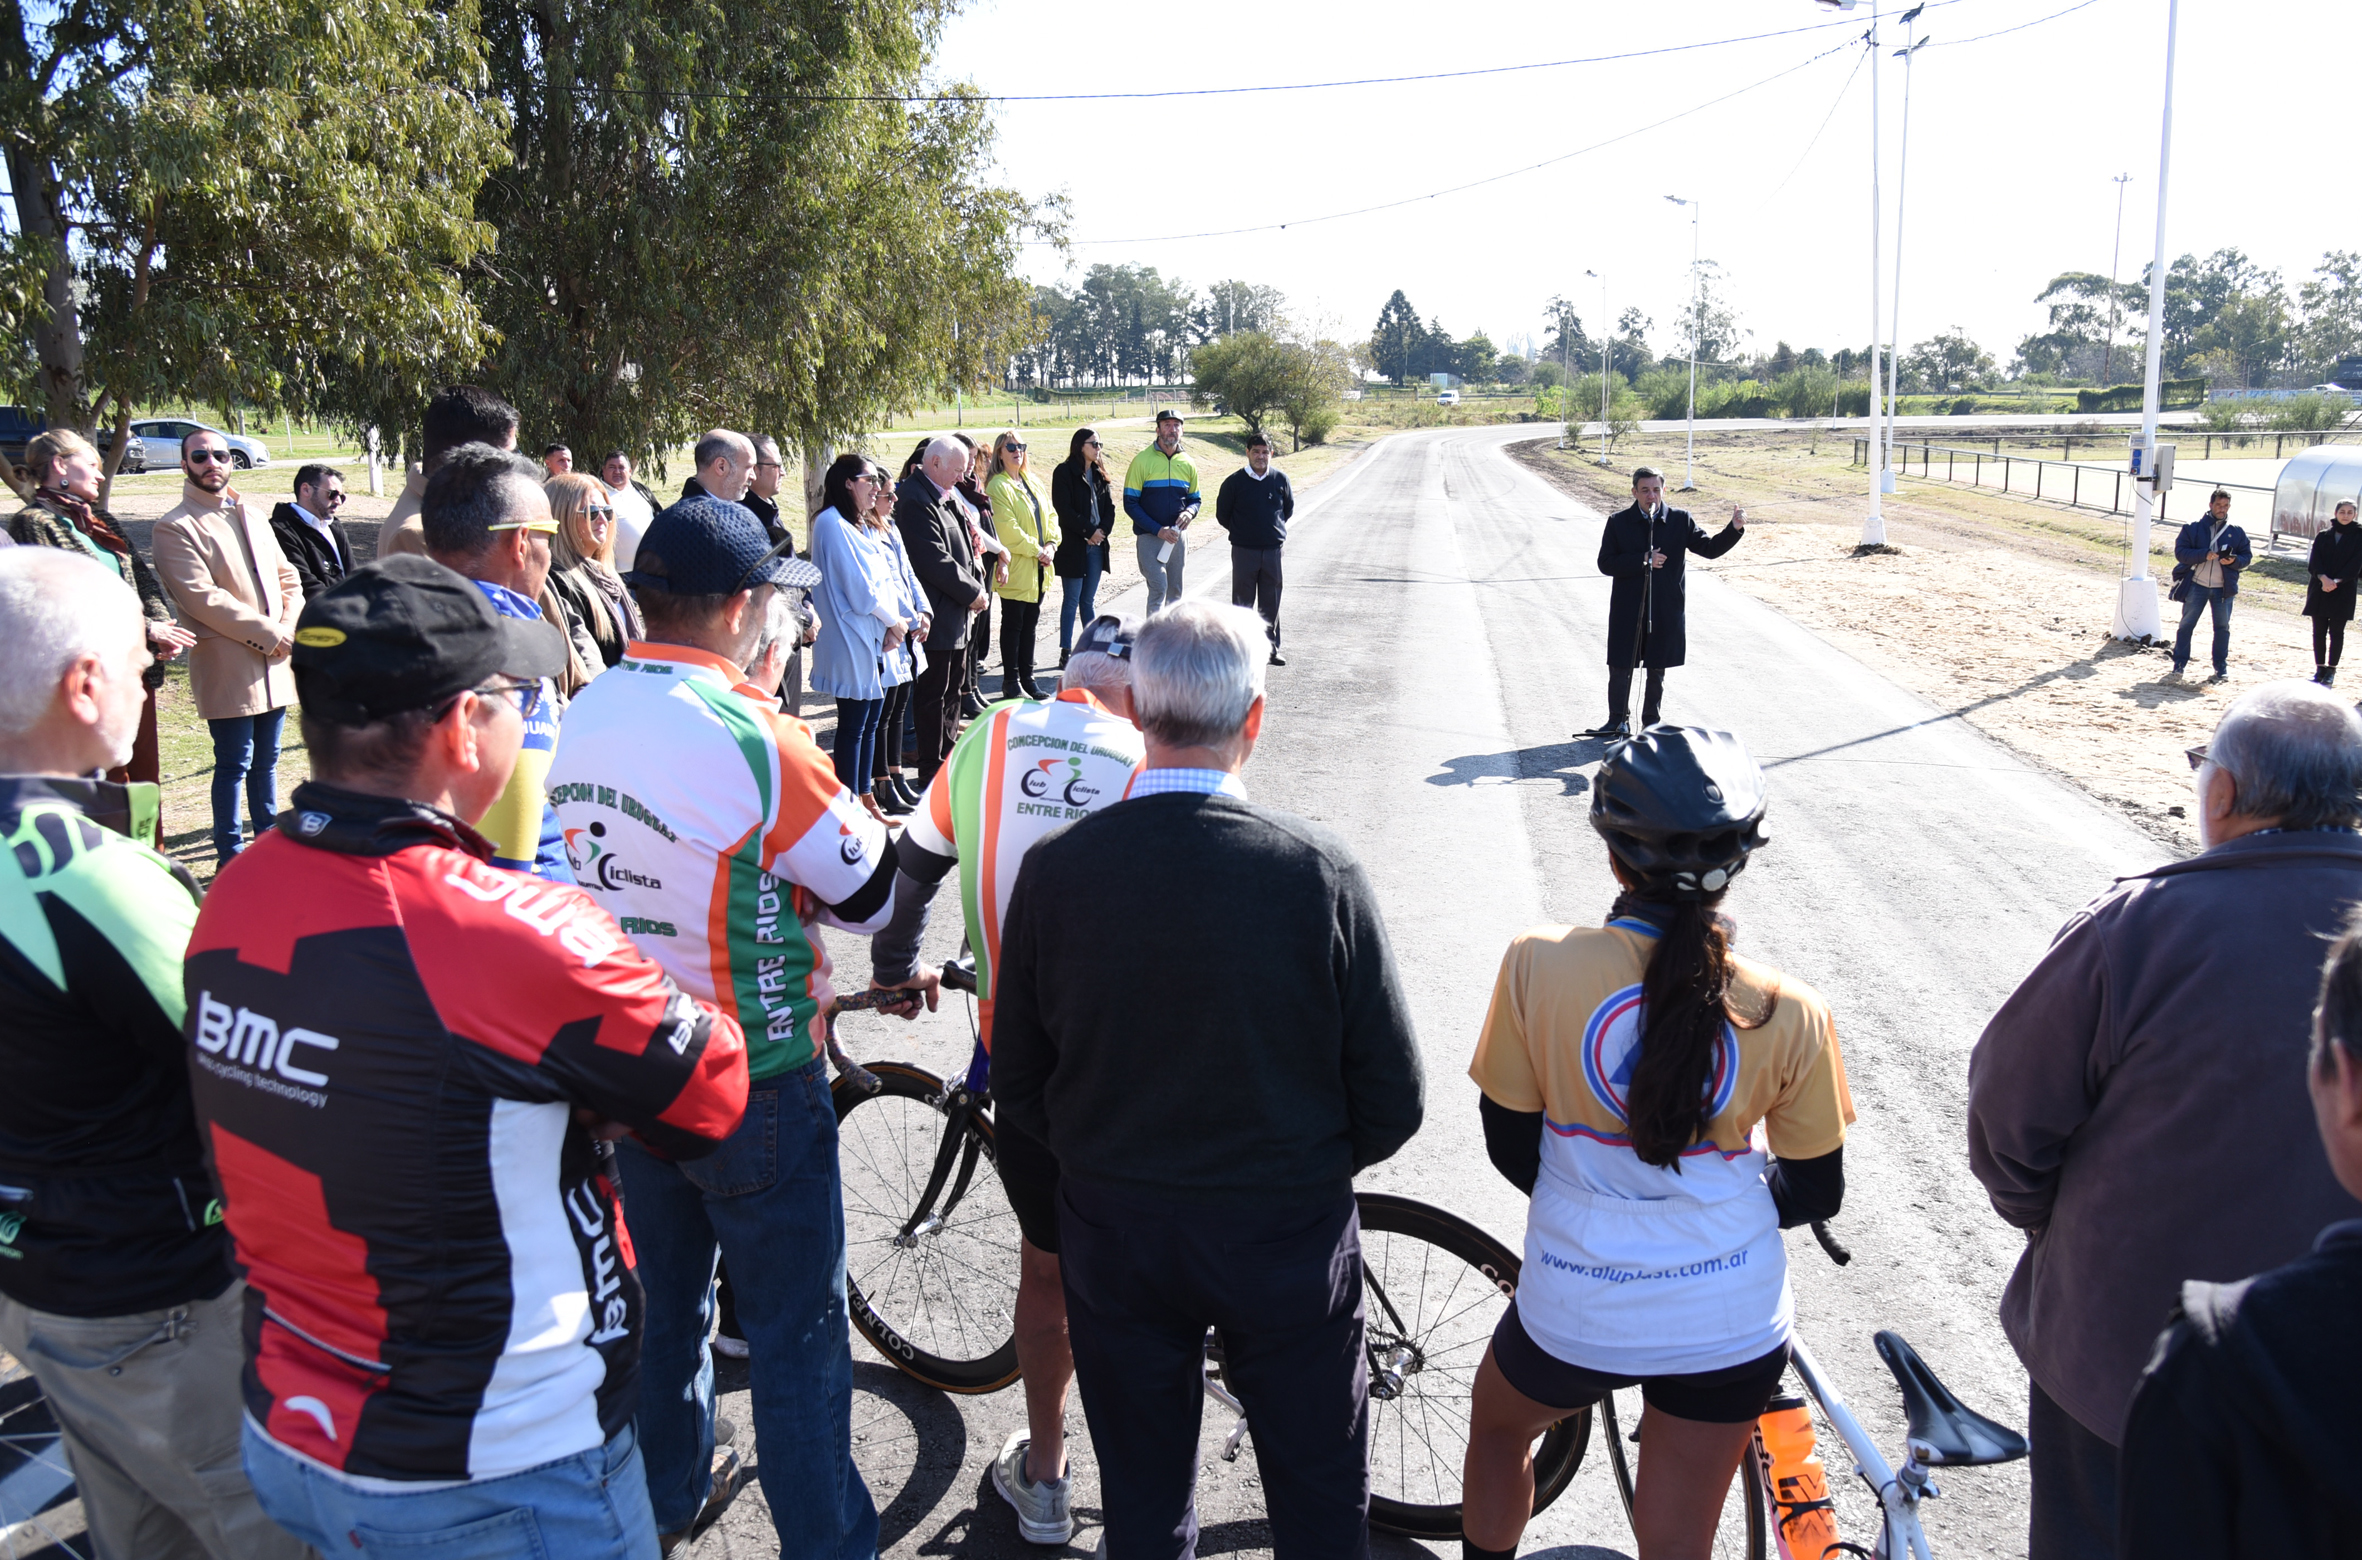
(1643, 549)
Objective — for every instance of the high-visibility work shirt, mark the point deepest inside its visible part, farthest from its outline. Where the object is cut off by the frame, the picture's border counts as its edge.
(1021, 771)
(1640, 1269)
(715, 830)
(1157, 488)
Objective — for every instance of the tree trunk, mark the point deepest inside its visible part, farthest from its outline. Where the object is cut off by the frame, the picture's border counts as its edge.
(57, 338)
(817, 458)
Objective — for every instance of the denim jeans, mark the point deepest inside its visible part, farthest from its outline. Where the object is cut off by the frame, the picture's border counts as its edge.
(1080, 595)
(2202, 599)
(770, 1197)
(245, 749)
(856, 741)
(591, 1506)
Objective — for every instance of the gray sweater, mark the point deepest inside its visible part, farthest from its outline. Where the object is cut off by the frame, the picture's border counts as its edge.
(1195, 1000)
(2138, 1105)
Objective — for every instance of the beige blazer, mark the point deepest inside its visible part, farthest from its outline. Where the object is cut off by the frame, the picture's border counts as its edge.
(239, 595)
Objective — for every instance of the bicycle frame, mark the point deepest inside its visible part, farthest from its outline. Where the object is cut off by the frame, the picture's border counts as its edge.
(1899, 1493)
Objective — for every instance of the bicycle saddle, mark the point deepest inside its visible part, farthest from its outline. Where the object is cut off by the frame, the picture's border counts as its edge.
(1944, 1432)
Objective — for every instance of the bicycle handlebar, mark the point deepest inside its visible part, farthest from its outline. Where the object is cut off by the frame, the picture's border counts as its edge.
(1837, 1253)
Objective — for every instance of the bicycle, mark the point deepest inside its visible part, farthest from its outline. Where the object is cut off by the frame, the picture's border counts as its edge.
(931, 1282)
(35, 1478)
(1942, 1432)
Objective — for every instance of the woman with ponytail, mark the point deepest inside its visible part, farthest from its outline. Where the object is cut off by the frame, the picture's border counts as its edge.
(1625, 1070)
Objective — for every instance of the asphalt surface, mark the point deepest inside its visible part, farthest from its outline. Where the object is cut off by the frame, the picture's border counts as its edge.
(1444, 622)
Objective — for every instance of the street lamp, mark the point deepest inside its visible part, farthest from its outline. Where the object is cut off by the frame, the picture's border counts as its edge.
(2115, 265)
(1689, 474)
(1894, 361)
(2136, 599)
(1874, 523)
(1603, 341)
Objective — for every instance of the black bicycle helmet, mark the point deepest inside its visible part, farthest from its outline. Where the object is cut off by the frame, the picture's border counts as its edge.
(1681, 807)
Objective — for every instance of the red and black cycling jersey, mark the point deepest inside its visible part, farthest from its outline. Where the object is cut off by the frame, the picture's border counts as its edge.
(390, 1038)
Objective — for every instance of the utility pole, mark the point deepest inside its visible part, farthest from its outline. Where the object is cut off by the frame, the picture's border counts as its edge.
(1697, 322)
(2136, 599)
(1874, 524)
(1894, 361)
(1603, 344)
(2115, 302)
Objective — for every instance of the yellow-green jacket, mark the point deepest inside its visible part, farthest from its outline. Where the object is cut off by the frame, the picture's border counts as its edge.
(1028, 527)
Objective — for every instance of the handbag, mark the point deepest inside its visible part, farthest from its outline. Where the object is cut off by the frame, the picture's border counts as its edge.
(2181, 582)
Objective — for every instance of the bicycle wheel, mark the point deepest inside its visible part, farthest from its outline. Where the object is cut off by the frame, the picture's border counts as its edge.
(35, 1478)
(1748, 1489)
(931, 1244)
(1436, 1286)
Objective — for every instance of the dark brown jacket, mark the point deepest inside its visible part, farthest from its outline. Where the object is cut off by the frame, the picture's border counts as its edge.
(2138, 1105)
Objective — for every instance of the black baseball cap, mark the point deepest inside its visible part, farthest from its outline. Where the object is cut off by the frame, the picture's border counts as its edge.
(405, 633)
(1108, 634)
(1169, 415)
(705, 547)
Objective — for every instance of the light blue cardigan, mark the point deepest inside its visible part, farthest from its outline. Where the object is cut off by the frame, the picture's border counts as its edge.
(860, 596)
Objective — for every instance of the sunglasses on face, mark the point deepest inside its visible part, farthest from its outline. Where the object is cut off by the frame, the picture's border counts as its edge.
(1014, 449)
(600, 512)
(527, 695)
(2196, 756)
(208, 457)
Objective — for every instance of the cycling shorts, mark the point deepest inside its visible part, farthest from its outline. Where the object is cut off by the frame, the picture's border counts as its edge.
(1730, 1396)
(1029, 1174)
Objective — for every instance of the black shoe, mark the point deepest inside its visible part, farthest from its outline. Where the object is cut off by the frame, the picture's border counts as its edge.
(971, 707)
(890, 797)
(1277, 659)
(2329, 677)
(900, 787)
(1027, 686)
(1608, 728)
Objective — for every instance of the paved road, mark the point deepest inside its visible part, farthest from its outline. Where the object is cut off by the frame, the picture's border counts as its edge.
(1444, 621)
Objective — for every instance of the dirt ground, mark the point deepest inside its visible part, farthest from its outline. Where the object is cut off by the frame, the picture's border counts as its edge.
(1994, 610)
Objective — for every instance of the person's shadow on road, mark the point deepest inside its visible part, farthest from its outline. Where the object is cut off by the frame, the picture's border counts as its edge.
(1560, 761)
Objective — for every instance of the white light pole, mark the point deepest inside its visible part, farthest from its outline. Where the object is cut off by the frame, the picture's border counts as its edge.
(1894, 360)
(1874, 523)
(1603, 342)
(2115, 265)
(1689, 472)
(2136, 598)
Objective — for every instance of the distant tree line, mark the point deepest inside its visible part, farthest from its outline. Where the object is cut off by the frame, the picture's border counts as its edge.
(1128, 325)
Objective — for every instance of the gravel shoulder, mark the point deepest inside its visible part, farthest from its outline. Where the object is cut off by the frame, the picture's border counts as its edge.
(1994, 610)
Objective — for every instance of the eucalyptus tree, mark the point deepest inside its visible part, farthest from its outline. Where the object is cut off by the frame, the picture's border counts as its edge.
(757, 215)
(218, 203)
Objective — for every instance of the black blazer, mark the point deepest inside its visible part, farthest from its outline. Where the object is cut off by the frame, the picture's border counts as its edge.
(319, 562)
(2337, 552)
(1623, 556)
(1072, 487)
(935, 534)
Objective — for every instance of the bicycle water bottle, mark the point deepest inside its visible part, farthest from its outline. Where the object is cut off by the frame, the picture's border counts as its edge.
(1804, 1519)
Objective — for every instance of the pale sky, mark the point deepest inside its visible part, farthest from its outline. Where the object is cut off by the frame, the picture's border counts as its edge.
(2014, 143)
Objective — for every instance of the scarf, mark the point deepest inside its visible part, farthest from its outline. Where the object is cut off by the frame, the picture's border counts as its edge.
(90, 522)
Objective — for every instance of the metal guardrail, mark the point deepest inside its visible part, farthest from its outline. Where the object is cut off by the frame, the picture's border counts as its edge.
(2064, 488)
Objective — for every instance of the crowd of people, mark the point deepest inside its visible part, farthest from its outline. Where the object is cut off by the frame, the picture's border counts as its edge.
(375, 1199)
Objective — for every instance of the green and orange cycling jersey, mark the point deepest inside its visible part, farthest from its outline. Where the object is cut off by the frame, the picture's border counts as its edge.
(1019, 772)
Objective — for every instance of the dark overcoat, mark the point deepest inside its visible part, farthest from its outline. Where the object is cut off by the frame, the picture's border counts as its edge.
(1623, 557)
(2337, 552)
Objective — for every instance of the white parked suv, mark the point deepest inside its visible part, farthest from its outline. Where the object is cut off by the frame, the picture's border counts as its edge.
(162, 436)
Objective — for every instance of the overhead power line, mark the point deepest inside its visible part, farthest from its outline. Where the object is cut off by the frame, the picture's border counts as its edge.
(1413, 200)
(1549, 162)
(1202, 92)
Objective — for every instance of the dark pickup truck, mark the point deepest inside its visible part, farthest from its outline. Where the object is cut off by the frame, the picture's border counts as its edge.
(20, 425)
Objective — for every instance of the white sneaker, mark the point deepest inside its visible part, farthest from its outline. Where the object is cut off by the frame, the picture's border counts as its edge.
(1044, 1514)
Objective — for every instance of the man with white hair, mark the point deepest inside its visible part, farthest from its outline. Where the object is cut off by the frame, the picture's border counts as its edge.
(115, 1276)
(1027, 768)
(1197, 1011)
(943, 556)
(2138, 1106)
